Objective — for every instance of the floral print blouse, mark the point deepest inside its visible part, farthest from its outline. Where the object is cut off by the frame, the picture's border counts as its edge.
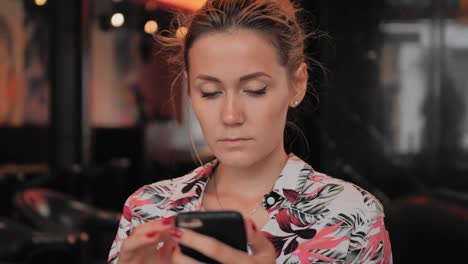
(314, 218)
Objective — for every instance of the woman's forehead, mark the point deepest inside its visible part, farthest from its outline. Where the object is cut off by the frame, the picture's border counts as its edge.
(239, 51)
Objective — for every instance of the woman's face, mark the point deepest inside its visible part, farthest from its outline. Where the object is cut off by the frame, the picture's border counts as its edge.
(240, 95)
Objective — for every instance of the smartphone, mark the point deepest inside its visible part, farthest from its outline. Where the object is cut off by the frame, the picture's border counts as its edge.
(225, 226)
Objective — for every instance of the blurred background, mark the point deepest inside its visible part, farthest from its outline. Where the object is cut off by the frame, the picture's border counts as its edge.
(87, 117)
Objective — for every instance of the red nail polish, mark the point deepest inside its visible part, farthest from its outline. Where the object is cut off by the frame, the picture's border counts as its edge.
(176, 233)
(151, 234)
(254, 227)
(168, 221)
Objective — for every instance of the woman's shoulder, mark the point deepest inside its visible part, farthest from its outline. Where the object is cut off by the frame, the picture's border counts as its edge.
(160, 190)
(315, 191)
(341, 196)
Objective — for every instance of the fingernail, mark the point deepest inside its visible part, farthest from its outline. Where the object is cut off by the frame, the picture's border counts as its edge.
(173, 250)
(168, 221)
(176, 233)
(151, 234)
(253, 226)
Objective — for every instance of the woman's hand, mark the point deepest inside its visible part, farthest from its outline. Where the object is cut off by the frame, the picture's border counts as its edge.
(149, 243)
(263, 250)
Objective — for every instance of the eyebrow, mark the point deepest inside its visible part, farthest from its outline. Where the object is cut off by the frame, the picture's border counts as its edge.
(253, 76)
(241, 79)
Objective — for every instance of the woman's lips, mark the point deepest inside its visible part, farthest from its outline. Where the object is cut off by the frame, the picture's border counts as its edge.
(232, 142)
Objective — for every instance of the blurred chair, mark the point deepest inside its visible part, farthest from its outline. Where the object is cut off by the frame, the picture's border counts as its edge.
(19, 176)
(21, 244)
(57, 213)
(429, 228)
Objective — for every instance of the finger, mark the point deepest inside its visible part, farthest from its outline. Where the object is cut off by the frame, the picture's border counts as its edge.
(258, 241)
(158, 225)
(148, 236)
(209, 246)
(166, 252)
(140, 241)
(179, 257)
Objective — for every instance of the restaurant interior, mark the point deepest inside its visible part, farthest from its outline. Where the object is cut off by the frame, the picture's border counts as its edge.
(87, 116)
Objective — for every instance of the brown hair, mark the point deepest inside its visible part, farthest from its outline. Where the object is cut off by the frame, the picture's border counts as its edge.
(279, 20)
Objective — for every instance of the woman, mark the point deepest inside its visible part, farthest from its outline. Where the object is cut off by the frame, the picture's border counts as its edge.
(244, 64)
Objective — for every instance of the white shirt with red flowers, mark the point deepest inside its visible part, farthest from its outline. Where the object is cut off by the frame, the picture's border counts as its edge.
(314, 218)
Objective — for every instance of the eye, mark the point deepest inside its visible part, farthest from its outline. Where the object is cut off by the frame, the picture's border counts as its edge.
(210, 94)
(257, 91)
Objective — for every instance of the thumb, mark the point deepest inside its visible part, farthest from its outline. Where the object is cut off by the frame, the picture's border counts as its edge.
(260, 244)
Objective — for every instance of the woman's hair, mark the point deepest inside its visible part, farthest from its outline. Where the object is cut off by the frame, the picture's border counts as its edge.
(278, 20)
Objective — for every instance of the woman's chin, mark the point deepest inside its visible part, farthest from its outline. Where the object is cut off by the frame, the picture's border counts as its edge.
(238, 159)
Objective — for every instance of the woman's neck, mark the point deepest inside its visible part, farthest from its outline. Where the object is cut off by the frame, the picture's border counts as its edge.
(252, 181)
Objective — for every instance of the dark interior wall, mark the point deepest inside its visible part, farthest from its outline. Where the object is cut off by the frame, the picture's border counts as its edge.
(352, 114)
(342, 128)
(66, 80)
(60, 142)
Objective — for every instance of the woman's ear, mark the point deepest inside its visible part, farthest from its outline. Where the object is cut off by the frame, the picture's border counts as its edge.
(300, 79)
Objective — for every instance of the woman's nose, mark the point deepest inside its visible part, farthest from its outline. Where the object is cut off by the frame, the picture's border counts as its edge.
(233, 113)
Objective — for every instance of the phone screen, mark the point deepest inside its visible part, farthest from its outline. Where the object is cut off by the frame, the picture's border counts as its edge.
(225, 226)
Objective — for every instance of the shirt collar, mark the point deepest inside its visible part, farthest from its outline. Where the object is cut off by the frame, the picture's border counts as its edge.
(293, 178)
(289, 184)
(192, 186)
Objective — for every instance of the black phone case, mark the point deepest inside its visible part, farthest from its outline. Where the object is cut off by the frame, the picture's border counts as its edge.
(225, 226)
